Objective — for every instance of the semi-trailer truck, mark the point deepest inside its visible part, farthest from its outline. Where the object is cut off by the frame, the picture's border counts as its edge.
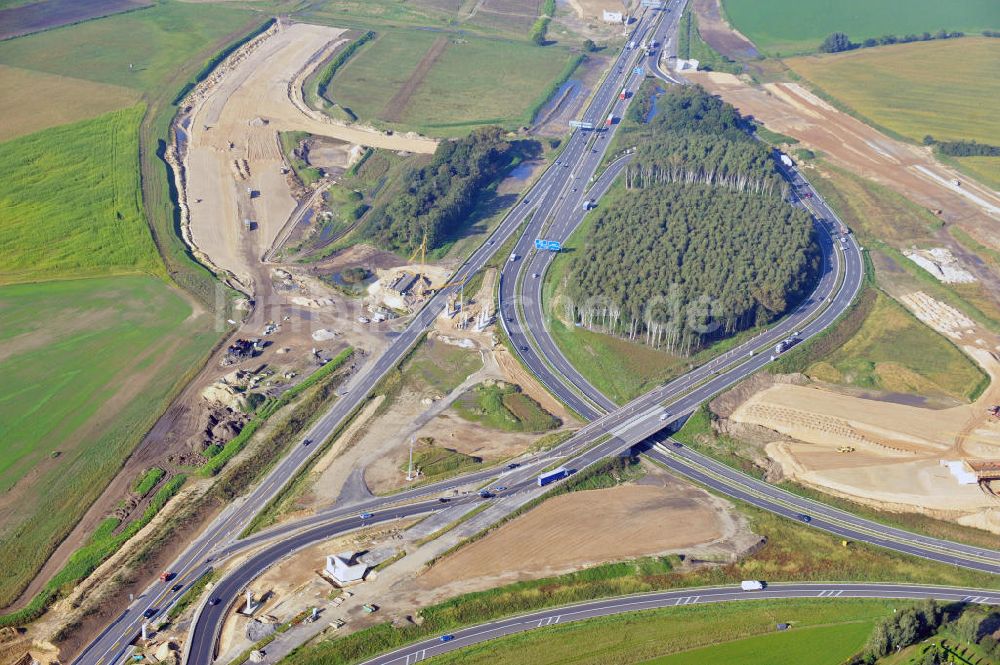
(552, 476)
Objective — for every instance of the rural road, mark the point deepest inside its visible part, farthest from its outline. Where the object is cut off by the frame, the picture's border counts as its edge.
(551, 204)
(466, 637)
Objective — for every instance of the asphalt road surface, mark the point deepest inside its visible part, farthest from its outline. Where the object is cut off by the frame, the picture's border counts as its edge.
(112, 644)
(466, 637)
(550, 210)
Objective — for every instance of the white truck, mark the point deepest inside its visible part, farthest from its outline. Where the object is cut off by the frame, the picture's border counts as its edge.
(752, 585)
(786, 160)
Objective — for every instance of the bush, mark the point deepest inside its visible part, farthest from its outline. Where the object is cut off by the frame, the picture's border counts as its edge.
(835, 43)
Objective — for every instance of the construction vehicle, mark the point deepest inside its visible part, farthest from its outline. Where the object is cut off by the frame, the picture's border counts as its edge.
(166, 576)
(845, 449)
(994, 411)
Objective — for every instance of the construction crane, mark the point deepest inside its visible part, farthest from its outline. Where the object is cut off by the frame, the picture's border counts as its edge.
(422, 250)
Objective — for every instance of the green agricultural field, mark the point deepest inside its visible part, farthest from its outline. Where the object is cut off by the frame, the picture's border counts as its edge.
(917, 89)
(785, 27)
(894, 351)
(69, 202)
(154, 41)
(822, 633)
(472, 81)
(92, 364)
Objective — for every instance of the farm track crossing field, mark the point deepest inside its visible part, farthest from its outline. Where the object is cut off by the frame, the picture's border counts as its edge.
(34, 100)
(93, 363)
(473, 81)
(947, 89)
(822, 633)
(786, 27)
(69, 202)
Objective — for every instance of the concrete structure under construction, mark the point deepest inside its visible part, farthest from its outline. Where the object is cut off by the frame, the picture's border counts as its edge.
(343, 570)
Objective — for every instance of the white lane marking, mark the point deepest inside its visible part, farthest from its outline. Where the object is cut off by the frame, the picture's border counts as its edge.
(416, 657)
(975, 599)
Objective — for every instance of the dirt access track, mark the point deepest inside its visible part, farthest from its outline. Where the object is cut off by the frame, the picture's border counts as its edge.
(789, 108)
(233, 162)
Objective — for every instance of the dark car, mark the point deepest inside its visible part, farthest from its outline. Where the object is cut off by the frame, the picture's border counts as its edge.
(150, 613)
(524, 348)
(215, 601)
(442, 499)
(447, 638)
(177, 587)
(306, 442)
(513, 465)
(805, 518)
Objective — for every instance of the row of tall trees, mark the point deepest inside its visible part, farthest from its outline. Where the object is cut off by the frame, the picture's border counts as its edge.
(701, 243)
(437, 198)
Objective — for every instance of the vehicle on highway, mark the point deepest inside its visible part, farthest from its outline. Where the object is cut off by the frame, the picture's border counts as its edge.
(366, 516)
(752, 585)
(513, 465)
(447, 638)
(306, 442)
(513, 257)
(177, 587)
(150, 612)
(442, 499)
(215, 601)
(166, 576)
(499, 488)
(552, 476)
(805, 518)
(535, 275)
(664, 415)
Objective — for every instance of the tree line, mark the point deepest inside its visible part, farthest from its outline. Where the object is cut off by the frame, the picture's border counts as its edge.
(963, 148)
(440, 196)
(837, 42)
(701, 243)
(913, 624)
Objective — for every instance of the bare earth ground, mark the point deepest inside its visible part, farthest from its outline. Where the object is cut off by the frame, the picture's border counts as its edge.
(898, 449)
(582, 529)
(912, 171)
(686, 519)
(34, 100)
(718, 34)
(247, 108)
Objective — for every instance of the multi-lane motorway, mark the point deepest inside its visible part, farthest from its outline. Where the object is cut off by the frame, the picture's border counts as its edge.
(111, 645)
(552, 209)
(419, 651)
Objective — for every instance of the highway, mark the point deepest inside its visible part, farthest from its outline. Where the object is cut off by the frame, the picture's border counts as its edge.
(551, 209)
(419, 651)
(112, 643)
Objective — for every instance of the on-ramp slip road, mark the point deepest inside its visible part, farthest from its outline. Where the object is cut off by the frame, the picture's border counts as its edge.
(550, 209)
(113, 643)
(466, 637)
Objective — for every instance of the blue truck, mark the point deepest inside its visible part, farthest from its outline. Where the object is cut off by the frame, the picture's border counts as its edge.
(552, 476)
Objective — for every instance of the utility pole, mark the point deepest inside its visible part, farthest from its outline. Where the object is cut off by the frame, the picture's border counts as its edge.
(409, 468)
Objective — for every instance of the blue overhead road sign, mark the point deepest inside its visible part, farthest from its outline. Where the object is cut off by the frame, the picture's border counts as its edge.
(548, 245)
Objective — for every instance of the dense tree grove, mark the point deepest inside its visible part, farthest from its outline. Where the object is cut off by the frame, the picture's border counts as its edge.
(701, 244)
(439, 196)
